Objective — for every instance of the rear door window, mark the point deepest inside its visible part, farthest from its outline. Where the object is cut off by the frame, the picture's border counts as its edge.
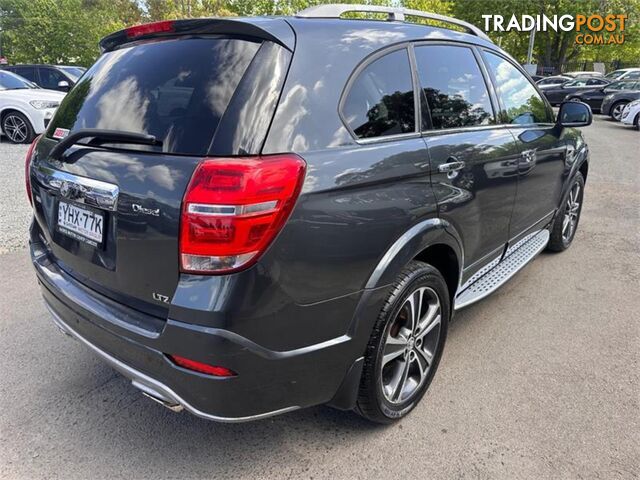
(380, 101)
(176, 90)
(454, 87)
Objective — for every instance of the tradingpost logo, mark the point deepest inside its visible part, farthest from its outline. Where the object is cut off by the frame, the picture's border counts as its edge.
(590, 29)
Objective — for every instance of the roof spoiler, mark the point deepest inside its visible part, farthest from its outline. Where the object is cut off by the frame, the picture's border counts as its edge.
(270, 29)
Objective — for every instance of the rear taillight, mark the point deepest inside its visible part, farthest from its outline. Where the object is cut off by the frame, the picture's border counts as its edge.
(233, 208)
(27, 166)
(149, 28)
(215, 370)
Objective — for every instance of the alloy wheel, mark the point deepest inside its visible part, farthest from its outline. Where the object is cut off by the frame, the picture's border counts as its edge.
(616, 113)
(410, 346)
(15, 128)
(571, 212)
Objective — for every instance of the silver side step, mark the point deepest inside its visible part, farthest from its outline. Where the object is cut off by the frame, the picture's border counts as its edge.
(498, 274)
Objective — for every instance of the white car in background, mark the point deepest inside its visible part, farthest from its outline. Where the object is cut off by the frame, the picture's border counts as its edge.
(624, 74)
(25, 109)
(631, 114)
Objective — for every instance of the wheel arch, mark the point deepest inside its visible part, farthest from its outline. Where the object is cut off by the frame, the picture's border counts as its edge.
(443, 257)
(584, 169)
(623, 101)
(432, 240)
(13, 108)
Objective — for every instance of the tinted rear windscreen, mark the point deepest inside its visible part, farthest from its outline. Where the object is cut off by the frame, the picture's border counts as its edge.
(176, 90)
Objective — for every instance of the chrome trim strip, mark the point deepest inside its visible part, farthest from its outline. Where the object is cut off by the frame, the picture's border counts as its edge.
(387, 138)
(79, 189)
(153, 387)
(259, 349)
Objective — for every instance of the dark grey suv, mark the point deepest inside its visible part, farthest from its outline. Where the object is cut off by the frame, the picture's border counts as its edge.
(250, 216)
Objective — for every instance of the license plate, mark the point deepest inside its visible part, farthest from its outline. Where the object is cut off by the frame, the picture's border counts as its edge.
(80, 223)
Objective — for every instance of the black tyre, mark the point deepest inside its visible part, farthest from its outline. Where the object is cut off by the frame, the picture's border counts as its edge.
(566, 221)
(616, 110)
(17, 128)
(637, 122)
(406, 345)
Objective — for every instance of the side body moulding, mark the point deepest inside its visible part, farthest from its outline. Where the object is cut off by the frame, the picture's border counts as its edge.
(428, 232)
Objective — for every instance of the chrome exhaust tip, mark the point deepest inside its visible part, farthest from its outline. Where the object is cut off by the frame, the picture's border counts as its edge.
(157, 397)
(174, 407)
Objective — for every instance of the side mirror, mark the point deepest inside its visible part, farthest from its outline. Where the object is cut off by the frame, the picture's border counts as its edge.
(63, 85)
(574, 114)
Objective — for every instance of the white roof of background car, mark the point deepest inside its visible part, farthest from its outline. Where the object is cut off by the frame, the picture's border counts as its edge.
(584, 73)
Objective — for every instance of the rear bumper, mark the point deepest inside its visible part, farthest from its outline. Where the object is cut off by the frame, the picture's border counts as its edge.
(151, 387)
(268, 383)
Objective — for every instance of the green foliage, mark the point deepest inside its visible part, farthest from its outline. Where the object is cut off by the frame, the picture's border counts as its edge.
(556, 48)
(60, 31)
(68, 31)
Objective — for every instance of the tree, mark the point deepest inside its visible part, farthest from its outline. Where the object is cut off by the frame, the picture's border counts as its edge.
(61, 31)
(68, 31)
(555, 49)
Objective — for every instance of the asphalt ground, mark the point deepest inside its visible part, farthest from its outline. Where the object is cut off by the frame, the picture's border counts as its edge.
(540, 380)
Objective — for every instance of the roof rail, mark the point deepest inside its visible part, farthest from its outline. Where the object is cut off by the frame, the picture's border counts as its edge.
(335, 10)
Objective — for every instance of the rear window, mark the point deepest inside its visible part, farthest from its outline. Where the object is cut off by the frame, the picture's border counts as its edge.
(176, 90)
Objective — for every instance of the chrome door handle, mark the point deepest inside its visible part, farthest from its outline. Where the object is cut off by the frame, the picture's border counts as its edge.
(451, 166)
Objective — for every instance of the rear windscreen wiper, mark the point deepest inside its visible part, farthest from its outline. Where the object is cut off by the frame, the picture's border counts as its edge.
(99, 136)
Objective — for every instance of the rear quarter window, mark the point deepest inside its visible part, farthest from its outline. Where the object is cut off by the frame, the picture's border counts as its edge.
(176, 90)
(380, 100)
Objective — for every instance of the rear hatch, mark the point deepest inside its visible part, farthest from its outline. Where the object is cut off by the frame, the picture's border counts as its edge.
(110, 210)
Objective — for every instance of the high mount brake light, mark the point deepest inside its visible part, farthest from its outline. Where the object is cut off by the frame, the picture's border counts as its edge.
(149, 28)
(27, 166)
(233, 208)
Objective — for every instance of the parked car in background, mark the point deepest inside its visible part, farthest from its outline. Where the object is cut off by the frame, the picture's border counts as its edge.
(594, 97)
(73, 71)
(624, 73)
(253, 215)
(581, 74)
(556, 95)
(614, 103)
(631, 114)
(25, 109)
(51, 77)
(554, 81)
